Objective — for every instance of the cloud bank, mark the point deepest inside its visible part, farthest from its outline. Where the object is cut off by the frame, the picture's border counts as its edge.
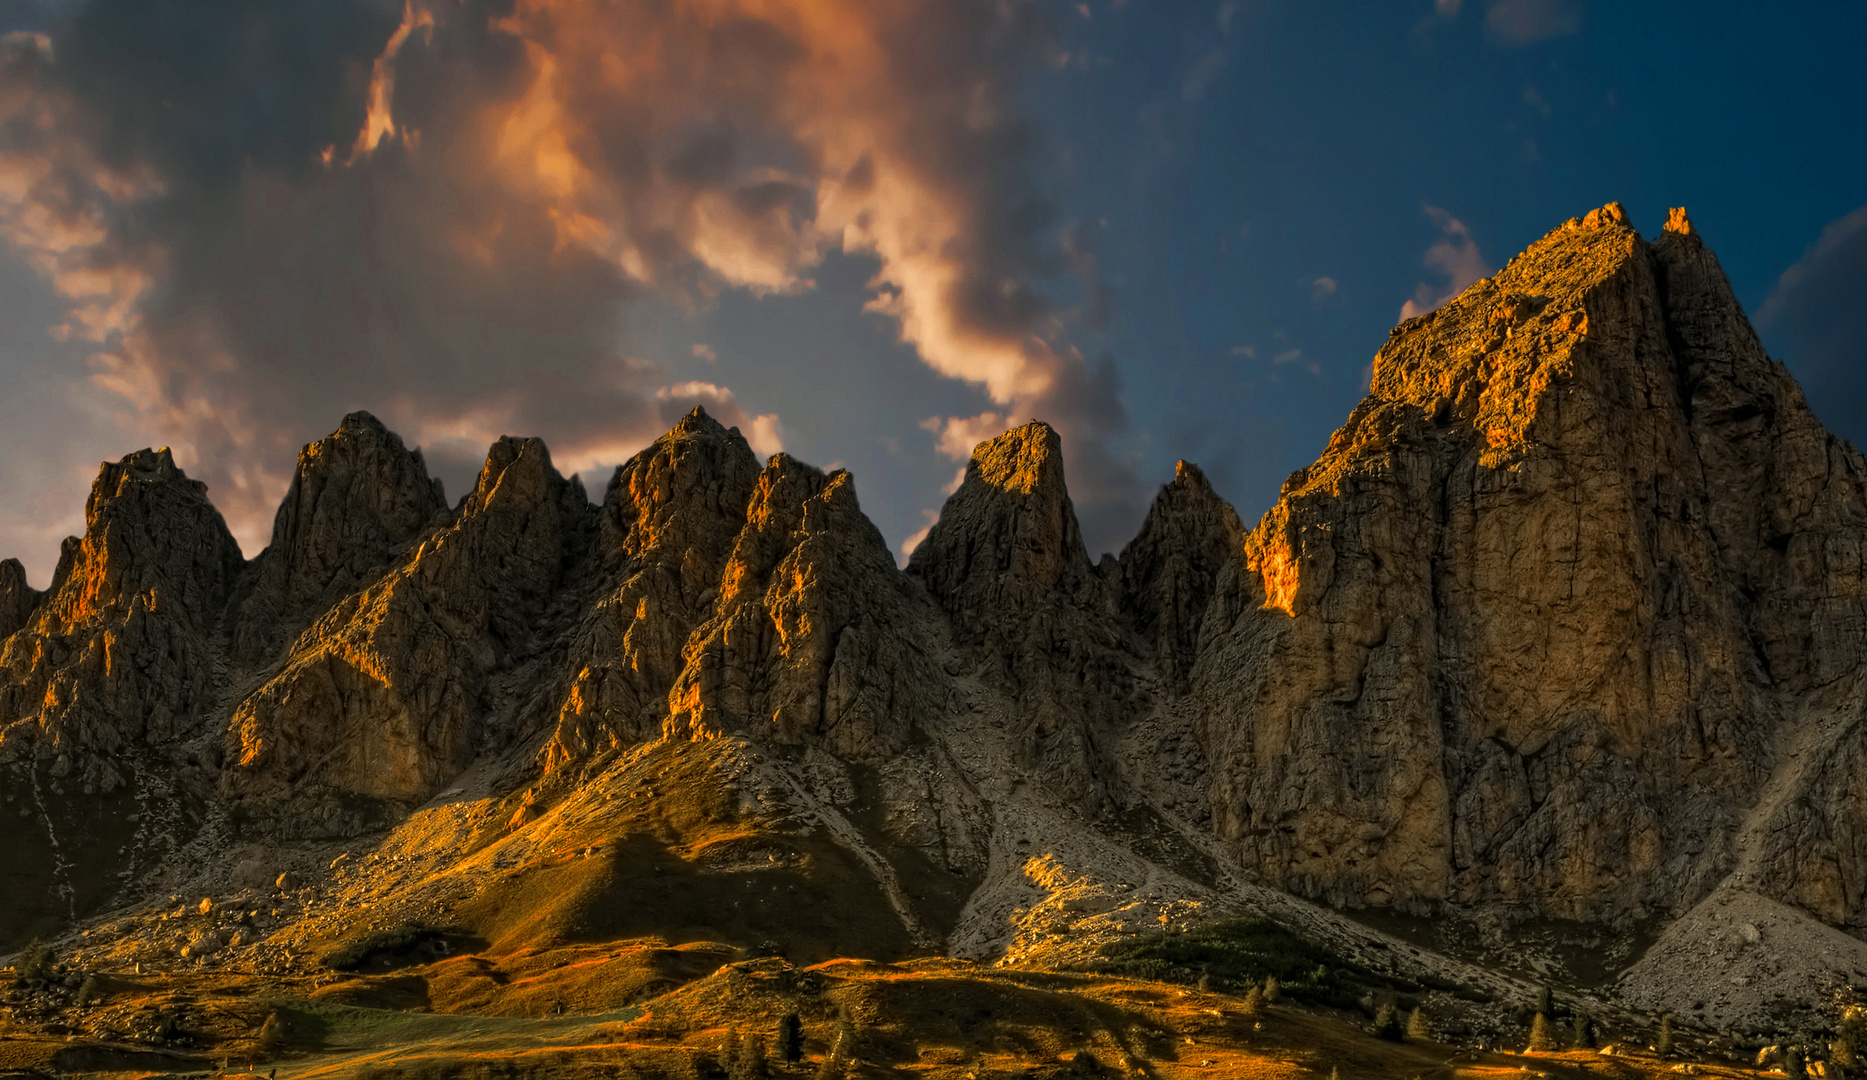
(1815, 320)
(263, 215)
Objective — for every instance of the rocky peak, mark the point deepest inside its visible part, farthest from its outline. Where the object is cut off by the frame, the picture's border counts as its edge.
(17, 599)
(1007, 564)
(387, 695)
(119, 650)
(1515, 583)
(1169, 571)
(357, 497)
(670, 521)
(817, 638)
(683, 499)
(1007, 540)
(151, 536)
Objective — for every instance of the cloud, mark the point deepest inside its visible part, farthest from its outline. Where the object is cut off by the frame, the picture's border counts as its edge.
(703, 351)
(1321, 289)
(1524, 22)
(1815, 318)
(928, 518)
(1457, 259)
(444, 211)
(1200, 77)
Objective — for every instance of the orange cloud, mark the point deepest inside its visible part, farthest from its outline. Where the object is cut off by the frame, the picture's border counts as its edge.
(379, 122)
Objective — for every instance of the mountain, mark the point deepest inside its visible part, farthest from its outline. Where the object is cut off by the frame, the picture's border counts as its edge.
(1553, 662)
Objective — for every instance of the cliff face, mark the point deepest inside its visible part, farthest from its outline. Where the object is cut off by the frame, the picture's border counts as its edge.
(1567, 620)
(1523, 634)
(122, 650)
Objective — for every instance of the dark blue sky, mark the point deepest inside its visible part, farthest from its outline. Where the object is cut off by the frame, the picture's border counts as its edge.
(1214, 212)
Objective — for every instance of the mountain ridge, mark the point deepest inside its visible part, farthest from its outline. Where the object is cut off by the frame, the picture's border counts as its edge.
(1565, 623)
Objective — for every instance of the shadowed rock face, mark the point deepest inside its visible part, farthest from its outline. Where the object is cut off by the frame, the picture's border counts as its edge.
(1567, 620)
(1007, 565)
(17, 599)
(387, 695)
(359, 496)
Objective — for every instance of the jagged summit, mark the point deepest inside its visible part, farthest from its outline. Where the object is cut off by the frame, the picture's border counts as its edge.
(1565, 622)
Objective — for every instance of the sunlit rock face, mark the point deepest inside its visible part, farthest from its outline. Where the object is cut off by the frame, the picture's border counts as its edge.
(121, 652)
(1559, 600)
(668, 524)
(816, 638)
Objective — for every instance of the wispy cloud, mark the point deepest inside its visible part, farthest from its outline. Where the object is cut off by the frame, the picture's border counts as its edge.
(1815, 318)
(1524, 22)
(1455, 257)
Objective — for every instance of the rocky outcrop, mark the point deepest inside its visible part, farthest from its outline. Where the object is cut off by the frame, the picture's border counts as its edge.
(1499, 644)
(1171, 568)
(1006, 562)
(357, 499)
(818, 639)
(389, 693)
(17, 599)
(121, 651)
(670, 519)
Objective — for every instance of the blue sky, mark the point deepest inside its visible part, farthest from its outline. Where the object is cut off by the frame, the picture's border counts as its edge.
(1207, 215)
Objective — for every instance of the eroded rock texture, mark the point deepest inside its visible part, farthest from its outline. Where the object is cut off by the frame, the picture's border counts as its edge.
(389, 693)
(1006, 563)
(122, 650)
(817, 639)
(1523, 634)
(17, 598)
(357, 499)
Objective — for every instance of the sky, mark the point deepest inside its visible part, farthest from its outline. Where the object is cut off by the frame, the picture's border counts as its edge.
(869, 233)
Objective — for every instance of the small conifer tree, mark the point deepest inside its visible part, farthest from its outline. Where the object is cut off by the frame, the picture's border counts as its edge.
(1254, 1000)
(1664, 1044)
(1793, 1067)
(1542, 1034)
(751, 1063)
(1273, 993)
(33, 963)
(1417, 1027)
(791, 1038)
(1205, 982)
(1545, 1000)
(1387, 1024)
(1583, 1034)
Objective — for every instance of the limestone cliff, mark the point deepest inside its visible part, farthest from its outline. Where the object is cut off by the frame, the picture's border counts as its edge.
(1006, 562)
(817, 638)
(1514, 637)
(121, 652)
(357, 498)
(388, 694)
(17, 599)
(669, 521)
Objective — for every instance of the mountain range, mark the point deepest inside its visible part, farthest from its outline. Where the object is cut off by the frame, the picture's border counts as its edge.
(1552, 667)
